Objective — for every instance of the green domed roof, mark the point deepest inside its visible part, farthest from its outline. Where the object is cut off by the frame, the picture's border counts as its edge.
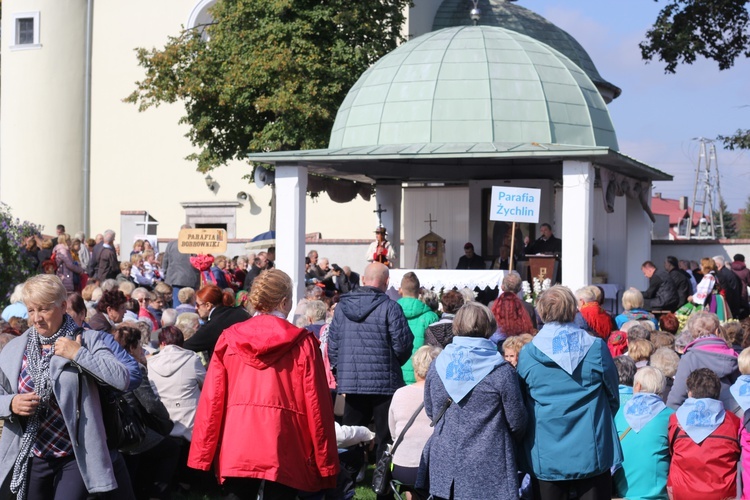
(473, 84)
(506, 14)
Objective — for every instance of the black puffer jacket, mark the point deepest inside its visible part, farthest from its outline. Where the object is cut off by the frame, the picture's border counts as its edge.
(368, 341)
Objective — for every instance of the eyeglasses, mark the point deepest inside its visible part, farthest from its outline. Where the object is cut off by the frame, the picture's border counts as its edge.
(144, 299)
(201, 304)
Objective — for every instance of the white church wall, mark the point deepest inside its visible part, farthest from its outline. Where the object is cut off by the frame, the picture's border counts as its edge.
(449, 206)
(138, 159)
(42, 104)
(610, 239)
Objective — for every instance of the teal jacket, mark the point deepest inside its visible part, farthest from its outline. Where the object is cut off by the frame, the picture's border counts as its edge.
(419, 316)
(571, 432)
(646, 465)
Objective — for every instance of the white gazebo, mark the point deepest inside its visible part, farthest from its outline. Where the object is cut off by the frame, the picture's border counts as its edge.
(475, 107)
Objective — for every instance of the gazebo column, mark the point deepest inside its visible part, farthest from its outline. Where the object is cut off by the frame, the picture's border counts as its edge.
(291, 198)
(577, 223)
(638, 229)
(388, 196)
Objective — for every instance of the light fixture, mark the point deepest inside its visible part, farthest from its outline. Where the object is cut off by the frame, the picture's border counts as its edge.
(475, 13)
(210, 182)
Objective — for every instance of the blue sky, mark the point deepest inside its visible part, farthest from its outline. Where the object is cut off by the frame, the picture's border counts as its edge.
(659, 115)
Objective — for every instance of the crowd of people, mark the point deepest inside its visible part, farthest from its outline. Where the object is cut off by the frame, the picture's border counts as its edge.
(210, 369)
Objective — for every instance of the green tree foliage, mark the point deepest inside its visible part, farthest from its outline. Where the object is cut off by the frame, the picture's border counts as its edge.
(723, 214)
(15, 265)
(267, 75)
(685, 29)
(715, 29)
(744, 229)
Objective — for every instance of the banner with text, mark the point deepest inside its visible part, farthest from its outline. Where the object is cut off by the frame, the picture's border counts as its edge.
(202, 241)
(515, 204)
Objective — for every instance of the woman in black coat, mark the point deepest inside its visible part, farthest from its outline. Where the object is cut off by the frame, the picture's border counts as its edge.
(218, 313)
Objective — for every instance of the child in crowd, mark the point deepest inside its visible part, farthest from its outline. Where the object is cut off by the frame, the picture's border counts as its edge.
(703, 443)
(741, 392)
(512, 347)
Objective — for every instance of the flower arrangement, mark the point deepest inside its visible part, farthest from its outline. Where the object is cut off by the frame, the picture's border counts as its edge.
(15, 265)
(531, 292)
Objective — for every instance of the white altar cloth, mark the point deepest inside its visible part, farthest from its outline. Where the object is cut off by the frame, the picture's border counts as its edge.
(437, 279)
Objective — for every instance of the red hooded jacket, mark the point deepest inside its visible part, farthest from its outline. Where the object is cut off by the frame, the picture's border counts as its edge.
(265, 410)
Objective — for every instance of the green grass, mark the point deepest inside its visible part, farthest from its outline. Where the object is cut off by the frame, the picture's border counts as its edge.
(363, 492)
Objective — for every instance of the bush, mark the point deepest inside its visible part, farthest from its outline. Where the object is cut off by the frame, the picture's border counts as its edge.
(15, 266)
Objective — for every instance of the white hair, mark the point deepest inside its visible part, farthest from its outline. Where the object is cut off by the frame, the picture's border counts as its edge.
(719, 260)
(109, 236)
(17, 294)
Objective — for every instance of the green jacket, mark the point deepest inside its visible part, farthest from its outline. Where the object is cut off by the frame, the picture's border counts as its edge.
(419, 317)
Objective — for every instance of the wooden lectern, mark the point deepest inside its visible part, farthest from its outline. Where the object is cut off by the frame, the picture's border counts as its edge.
(542, 267)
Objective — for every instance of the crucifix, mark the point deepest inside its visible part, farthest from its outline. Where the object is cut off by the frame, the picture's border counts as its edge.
(380, 211)
(430, 221)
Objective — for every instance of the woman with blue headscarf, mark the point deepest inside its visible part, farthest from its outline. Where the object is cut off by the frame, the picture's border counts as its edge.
(570, 385)
(473, 398)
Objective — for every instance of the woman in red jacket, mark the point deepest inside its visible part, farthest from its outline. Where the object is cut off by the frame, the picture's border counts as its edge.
(265, 412)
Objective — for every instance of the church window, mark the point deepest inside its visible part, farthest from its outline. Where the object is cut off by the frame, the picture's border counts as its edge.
(25, 30)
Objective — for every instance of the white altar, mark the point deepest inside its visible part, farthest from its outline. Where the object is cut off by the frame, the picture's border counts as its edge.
(437, 279)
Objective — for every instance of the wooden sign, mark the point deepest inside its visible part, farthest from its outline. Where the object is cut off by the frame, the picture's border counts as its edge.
(202, 241)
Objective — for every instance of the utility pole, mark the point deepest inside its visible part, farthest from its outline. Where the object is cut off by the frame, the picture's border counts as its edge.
(705, 191)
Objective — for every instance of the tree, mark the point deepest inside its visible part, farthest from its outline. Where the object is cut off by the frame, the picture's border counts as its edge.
(723, 214)
(267, 75)
(715, 29)
(15, 266)
(744, 229)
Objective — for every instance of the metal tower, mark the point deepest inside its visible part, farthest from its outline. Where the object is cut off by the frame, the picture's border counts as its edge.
(705, 192)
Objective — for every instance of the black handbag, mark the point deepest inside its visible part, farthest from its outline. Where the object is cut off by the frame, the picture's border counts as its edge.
(381, 477)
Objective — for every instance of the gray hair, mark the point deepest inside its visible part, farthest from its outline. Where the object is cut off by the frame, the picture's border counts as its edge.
(651, 379)
(315, 310)
(188, 323)
(666, 360)
(586, 295)
(109, 236)
(168, 317)
(701, 324)
(108, 285)
(511, 283)
(718, 260)
(639, 331)
(140, 292)
(474, 320)
(625, 369)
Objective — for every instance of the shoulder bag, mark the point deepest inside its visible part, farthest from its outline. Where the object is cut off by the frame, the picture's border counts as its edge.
(381, 477)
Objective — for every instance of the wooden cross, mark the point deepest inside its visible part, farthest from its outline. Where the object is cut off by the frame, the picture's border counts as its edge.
(431, 220)
(380, 211)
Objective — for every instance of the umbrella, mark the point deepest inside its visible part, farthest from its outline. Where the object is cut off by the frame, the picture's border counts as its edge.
(263, 240)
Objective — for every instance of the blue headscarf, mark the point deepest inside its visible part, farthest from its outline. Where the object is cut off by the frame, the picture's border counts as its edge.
(564, 343)
(700, 417)
(641, 409)
(740, 390)
(464, 363)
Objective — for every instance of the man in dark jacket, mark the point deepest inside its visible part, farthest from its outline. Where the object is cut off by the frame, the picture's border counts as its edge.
(470, 260)
(680, 281)
(368, 341)
(178, 271)
(743, 273)
(661, 294)
(260, 264)
(731, 285)
(108, 267)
